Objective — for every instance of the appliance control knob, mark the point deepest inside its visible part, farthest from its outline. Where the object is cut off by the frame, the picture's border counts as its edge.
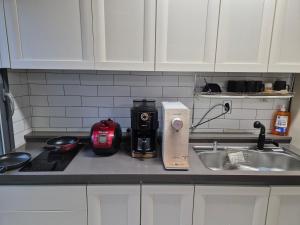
(177, 123)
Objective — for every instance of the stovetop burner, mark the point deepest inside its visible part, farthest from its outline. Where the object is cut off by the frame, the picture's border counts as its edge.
(50, 161)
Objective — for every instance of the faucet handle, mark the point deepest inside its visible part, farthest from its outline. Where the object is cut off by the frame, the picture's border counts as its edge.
(258, 125)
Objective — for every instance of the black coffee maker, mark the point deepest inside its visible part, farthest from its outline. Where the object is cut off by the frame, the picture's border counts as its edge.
(144, 125)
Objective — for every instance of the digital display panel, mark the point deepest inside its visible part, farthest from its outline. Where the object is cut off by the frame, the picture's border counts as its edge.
(102, 139)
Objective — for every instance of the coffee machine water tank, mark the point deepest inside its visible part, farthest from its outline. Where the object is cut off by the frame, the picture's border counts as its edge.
(175, 139)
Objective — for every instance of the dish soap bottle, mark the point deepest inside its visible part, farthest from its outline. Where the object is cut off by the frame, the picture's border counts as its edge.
(281, 122)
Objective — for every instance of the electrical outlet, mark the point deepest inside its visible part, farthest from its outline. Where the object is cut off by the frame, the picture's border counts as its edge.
(230, 105)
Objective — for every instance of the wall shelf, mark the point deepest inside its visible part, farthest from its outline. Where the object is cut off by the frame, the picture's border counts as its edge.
(260, 95)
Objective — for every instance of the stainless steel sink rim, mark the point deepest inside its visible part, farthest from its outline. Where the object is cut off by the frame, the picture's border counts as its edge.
(259, 161)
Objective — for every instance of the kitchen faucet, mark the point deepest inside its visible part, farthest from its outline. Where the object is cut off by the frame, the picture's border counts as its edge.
(262, 135)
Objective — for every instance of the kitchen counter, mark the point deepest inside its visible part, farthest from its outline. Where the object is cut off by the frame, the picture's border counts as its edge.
(86, 168)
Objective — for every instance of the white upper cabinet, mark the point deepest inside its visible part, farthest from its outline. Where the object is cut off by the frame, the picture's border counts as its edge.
(4, 55)
(113, 205)
(124, 34)
(284, 206)
(167, 205)
(223, 205)
(186, 35)
(285, 49)
(244, 36)
(50, 34)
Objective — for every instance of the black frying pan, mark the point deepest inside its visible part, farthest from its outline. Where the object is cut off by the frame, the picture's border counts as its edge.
(62, 144)
(13, 160)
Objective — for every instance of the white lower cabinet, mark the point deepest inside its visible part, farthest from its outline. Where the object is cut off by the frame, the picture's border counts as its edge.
(229, 205)
(113, 205)
(148, 205)
(43, 205)
(167, 205)
(284, 206)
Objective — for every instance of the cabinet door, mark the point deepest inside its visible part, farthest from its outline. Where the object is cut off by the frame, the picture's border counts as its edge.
(244, 35)
(284, 206)
(4, 56)
(167, 205)
(124, 34)
(47, 205)
(230, 205)
(285, 49)
(113, 205)
(50, 34)
(186, 35)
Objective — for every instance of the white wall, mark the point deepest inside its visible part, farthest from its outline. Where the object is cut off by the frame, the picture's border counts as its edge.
(295, 112)
(19, 88)
(74, 100)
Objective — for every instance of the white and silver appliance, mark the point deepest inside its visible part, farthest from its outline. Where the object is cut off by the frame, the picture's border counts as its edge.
(175, 137)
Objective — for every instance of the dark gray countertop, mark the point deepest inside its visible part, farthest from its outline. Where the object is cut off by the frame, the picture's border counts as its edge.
(120, 168)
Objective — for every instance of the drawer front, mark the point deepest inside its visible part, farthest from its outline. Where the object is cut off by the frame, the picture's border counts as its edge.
(42, 198)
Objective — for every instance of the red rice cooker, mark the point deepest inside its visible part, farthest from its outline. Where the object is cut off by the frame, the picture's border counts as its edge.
(106, 137)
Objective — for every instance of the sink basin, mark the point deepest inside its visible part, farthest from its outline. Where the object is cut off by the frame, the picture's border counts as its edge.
(253, 161)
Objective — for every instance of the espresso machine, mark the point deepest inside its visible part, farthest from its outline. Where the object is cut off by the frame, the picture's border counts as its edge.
(144, 125)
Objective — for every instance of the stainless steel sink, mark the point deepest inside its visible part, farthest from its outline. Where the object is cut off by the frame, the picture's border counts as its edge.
(254, 160)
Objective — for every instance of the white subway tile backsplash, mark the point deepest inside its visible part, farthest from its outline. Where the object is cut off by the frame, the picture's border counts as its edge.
(82, 112)
(241, 114)
(114, 112)
(65, 122)
(146, 73)
(37, 89)
(38, 100)
(18, 90)
(224, 124)
(187, 80)
(98, 101)
(17, 78)
(114, 91)
(88, 122)
(40, 122)
(257, 103)
(201, 103)
(81, 129)
(130, 80)
(162, 81)
(59, 100)
(48, 111)
(199, 113)
(62, 78)
(64, 100)
(80, 90)
(124, 123)
(49, 129)
(148, 92)
(178, 91)
(123, 101)
(36, 78)
(92, 79)
(266, 114)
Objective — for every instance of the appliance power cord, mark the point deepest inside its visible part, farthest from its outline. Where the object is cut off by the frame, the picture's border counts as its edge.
(226, 107)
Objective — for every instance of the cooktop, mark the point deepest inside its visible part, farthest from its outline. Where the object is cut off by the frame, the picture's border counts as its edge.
(50, 161)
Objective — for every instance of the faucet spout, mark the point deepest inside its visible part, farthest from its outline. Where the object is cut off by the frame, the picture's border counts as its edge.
(262, 135)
